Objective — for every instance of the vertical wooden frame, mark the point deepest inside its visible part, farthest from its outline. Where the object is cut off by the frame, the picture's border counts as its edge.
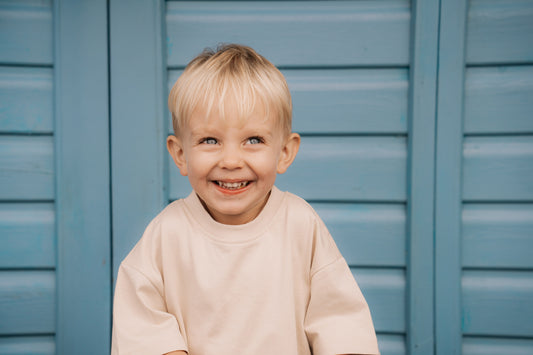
(448, 176)
(138, 121)
(82, 177)
(421, 142)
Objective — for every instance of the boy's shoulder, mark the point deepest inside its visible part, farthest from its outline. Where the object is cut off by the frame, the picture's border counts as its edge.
(299, 208)
(174, 212)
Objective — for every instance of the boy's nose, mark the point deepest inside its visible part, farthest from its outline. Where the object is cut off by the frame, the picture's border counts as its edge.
(231, 158)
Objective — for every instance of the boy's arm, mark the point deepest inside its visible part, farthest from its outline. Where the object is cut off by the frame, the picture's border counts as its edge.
(177, 352)
(337, 317)
(141, 323)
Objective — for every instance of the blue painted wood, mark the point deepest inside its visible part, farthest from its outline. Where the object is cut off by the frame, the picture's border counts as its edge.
(27, 168)
(497, 346)
(499, 99)
(343, 100)
(27, 345)
(349, 100)
(448, 172)
(27, 302)
(497, 236)
(500, 31)
(26, 100)
(391, 344)
(19, 22)
(498, 168)
(384, 290)
(138, 119)
(27, 235)
(293, 33)
(367, 234)
(83, 177)
(366, 168)
(498, 303)
(420, 179)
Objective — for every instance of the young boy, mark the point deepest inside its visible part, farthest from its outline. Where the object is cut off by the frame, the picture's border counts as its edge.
(237, 267)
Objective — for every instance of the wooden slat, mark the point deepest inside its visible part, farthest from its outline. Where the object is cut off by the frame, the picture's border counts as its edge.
(391, 344)
(27, 345)
(27, 302)
(293, 33)
(348, 168)
(499, 100)
(447, 185)
(384, 291)
(27, 235)
(135, 34)
(421, 169)
(498, 168)
(82, 119)
(343, 168)
(495, 346)
(20, 21)
(498, 303)
(343, 100)
(500, 31)
(349, 101)
(367, 234)
(26, 168)
(26, 100)
(497, 236)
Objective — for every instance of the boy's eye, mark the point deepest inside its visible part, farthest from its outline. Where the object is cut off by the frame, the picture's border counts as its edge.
(255, 140)
(209, 140)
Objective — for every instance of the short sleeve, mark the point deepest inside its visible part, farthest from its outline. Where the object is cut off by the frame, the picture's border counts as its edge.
(338, 319)
(141, 323)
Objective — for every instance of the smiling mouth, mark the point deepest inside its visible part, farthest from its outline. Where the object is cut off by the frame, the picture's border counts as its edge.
(232, 185)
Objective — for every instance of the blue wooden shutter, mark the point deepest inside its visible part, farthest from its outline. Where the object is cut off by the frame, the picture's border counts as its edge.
(54, 178)
(484, 182)
(27, 210)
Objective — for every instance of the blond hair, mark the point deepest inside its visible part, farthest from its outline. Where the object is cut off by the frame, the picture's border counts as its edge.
(231, 72)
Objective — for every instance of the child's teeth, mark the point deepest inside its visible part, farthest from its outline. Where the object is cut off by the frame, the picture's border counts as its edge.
(232, 185)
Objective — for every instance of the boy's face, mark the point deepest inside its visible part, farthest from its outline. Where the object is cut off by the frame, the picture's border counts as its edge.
(232, 163)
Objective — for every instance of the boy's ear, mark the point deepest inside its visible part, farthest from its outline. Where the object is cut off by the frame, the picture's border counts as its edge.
(288, 152)
(175, 149)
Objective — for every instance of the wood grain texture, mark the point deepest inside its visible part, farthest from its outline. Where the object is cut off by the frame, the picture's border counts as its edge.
(498, 303)
(27, 171)
(384, 290)
(497, 346)
(420, 210)
(367, 234)
(342, 169)
(27, 235)
(27, 345)
(26, 100)
(27, 302)
(83, 196)
(349, 168)
(497, 236)
(498, 168)
(499, 100)
(349, 100)
(293, 33)
(20, 21)
(138, 112)
(391, 344)
(499, 31)
(448, 171)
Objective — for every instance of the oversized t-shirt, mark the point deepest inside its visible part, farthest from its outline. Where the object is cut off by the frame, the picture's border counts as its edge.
(276, 285)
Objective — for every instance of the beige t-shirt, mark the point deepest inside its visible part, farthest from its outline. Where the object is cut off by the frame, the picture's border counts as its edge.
(276, 285)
